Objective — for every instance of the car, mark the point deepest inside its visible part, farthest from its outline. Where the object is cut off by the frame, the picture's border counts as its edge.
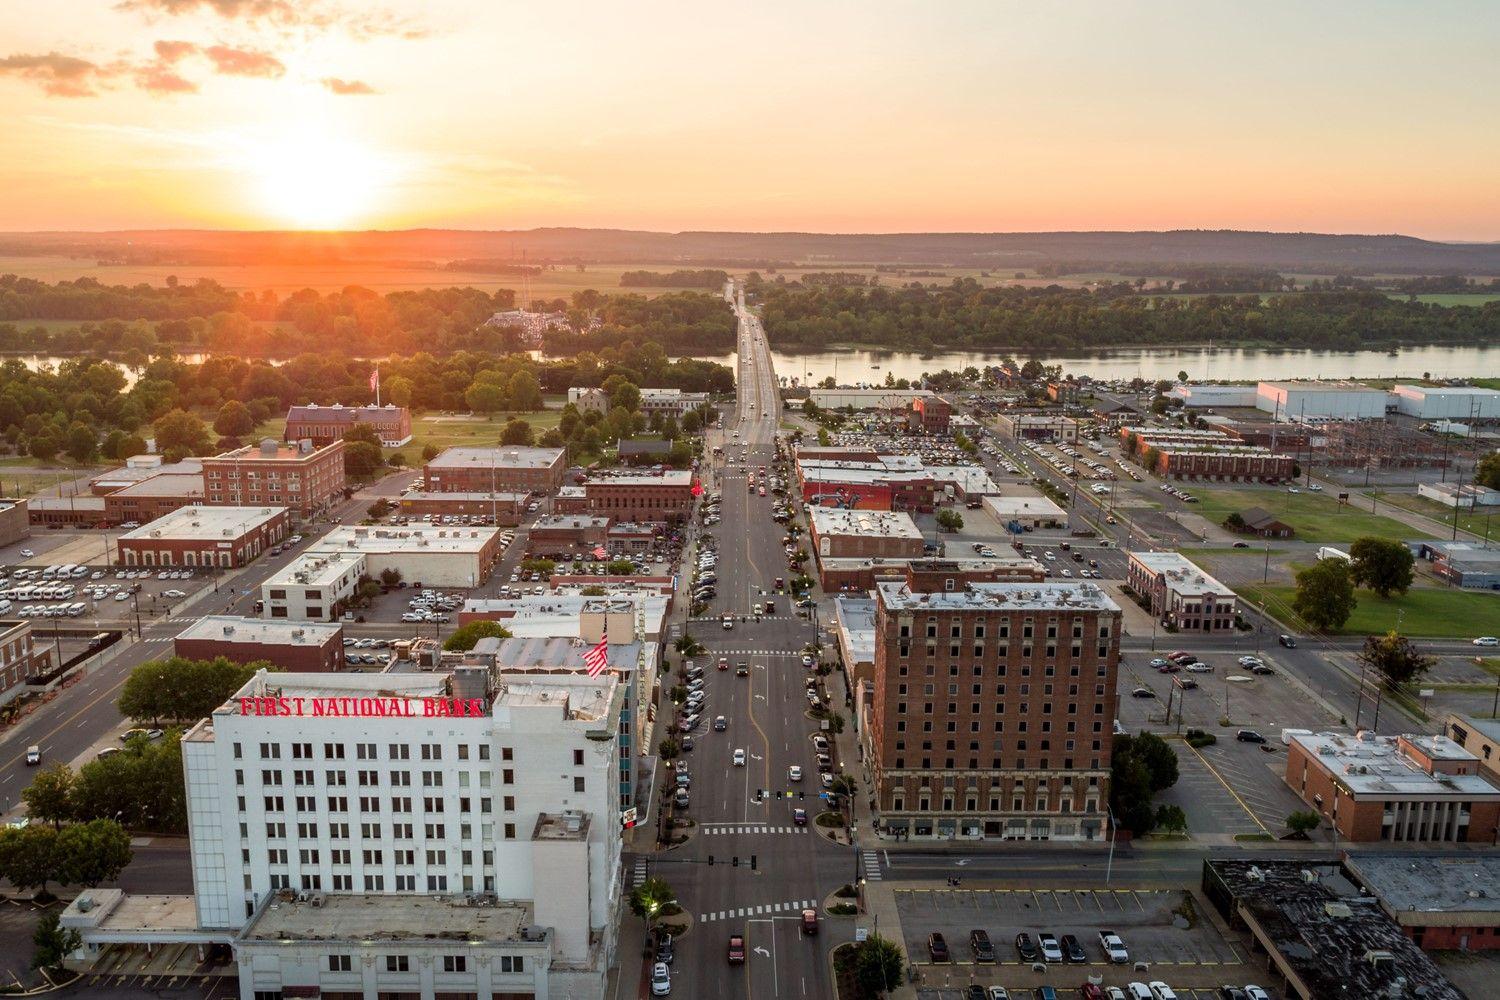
(1199, 668)
(122, 596)
(174, 593)
(1231, 993)
(1049, 947)
(720, 723)
(723, 663)
(799, 817)
(687, 744)
(727, 622)
(1161, 991)
(937, 948)
(1114, 947)
(1073, 951)
(736, 949)
(1287, 641)
(794, 773)
(809, 922)
(1138, 991)
(107, 753)
(1115, 993)
(998, 993)
(820, 743)
(742, 669)
(33, 755)
(27, 553)
(1160, 661)
(1249, 661)
(974, 992)
(1487, 640)
(1262, 669)
(680, 800)
(1143, 692)
(739, 757)
(1090, 991)
(979, 944)
(661, 980)
(1254, 992)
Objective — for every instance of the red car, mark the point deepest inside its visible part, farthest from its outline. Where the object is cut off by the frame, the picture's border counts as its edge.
(736, 949)
(723, 663)
(1091, 992)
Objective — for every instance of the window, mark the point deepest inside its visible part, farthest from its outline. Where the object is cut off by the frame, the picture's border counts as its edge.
(512, 963)
(397, 963)
(455, 963)
(577, 758)
(578, 784)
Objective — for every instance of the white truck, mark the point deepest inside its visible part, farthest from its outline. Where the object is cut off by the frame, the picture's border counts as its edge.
(1329, 552)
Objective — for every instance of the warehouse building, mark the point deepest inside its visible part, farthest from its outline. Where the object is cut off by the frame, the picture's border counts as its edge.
(1471, 565)
(1017, 513)
(1450, 402)
(1037, 426)
(204, 536)
(876, 398)
(495, 508)
(503, 469)
(303, 647)
(1215, 397)
(433, 557)
(1298, 400)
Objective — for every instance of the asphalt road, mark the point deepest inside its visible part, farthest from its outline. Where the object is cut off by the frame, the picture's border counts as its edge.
(766, 716)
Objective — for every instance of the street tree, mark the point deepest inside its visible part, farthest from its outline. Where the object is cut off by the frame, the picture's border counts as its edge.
(93, 852)
(1302, 822)
(178, 689)
(648, 899)
(1395, 659)
(49, 797)
(1325, 595)
(1384, 565)
(878, 964)
(465, 637)
(1171, 818)
(29, 857)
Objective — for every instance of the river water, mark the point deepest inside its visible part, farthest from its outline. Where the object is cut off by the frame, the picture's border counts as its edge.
(853, 367)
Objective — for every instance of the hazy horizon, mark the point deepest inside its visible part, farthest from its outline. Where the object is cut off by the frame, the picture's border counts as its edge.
(885, 117)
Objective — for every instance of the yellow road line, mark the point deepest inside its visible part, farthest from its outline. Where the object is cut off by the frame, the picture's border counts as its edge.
(1235, 795)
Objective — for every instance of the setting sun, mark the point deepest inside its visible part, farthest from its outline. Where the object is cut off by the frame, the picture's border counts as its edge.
(311, 181)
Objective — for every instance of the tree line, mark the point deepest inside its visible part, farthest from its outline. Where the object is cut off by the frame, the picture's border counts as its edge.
(966, 315)
(705, 278)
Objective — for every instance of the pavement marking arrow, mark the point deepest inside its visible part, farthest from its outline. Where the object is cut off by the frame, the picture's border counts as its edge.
(761, 697)
(762, 951)
(961, 862)
(755, 757)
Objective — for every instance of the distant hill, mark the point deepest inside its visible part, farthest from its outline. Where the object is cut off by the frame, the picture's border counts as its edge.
(1318, 253)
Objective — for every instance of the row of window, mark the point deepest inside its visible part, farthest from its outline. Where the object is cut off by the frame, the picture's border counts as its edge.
(276, 830)
(370, 751)
(402, 963)
(995, 762)
(1002, 630)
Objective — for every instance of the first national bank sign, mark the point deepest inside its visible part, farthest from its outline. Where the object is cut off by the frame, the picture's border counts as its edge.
(355, 707)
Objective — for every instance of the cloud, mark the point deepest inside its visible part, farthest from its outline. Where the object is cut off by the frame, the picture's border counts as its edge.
(244, 62)
(274, 11)
(360, 21)
(58, 75)
(347, 87)
(160, 80)
(171, 52)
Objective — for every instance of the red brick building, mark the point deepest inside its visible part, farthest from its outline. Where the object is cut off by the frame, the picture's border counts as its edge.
(15, 520)
(204, 536)
(993, 709)
(560, 533)
(502, 469)
(663, 496)
(298, 646)
(505, 508)
(1401, 789)
(929, 414)
(327, 424)
(1442, 901)
(153, 497)
(860, 574)
(838, 533)
(1185, 453)
(302, 477)
(20, 659)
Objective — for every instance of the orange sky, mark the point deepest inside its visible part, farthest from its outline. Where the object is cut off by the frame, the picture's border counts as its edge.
(818, 115)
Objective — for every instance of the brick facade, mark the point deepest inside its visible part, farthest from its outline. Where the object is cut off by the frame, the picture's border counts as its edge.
(305, 479)
(501, 469)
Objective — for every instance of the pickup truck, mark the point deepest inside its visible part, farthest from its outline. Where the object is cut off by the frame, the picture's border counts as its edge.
(736, 949)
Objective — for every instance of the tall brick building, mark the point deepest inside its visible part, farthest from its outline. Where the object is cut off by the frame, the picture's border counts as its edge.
(300, 476)
(994, 708)
(504, 469)
(326, 424)
(661, 496)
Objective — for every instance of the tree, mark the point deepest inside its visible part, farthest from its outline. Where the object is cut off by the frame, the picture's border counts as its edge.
(178, 689)
(950, 520)
(689, 646)
(141, 787)
(399, 390)
(430, 451)
(234, 419)
(1171, 818)
(1302, 822)
(517, 432)
(668, 749)
(390, 577)
(485, 397)
(553, 438)
(1383, 565)
(1394, 658)
(81, 442)
(525, 391)
(467, 636)
(648, 898)
(1159, 757)
(43, 445)
(51, 942)
(878, 964)
(93, 852)
(1141, 766)
(1487, 471)
(49, 797)
(1325, 595)
(180, 430)
(361, 458)
(622, 393)
(29, 857)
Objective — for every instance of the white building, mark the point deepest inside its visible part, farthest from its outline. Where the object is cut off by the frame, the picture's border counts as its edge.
(1034, 511)
(876, 398)
(1294, 400)
(1466, 496)
(671, 402)
(1449, 402)
(312, 586)
(1181, 594)
(1214, 397)
(427, 835)
(434, 557)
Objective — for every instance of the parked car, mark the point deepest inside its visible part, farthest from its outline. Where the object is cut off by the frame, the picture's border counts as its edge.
(979, 944)
(661, 977)
(1051, 950)
(1161, 991)
(1026, 947)
(1073, 951)
(1249, 736)
(1114, 947)
(937, 948)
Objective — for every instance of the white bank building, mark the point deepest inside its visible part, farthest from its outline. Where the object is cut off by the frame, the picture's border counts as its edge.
(396, 836)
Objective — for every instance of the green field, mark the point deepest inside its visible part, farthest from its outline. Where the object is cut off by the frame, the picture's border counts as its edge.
(1475, 299)
(1316, 517)
(442, 430)
(1430, 612)
(1467, 520)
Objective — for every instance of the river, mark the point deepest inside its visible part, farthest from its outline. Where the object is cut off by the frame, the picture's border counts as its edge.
(852, 367)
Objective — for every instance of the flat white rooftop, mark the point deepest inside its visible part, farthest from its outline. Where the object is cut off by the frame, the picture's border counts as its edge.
(409, 917)
(202, 523)
(1377, 767)
(1183, 575)
(500, 457)
(667, 477)
(999, 597)
(874, 523)
(355, 538)
(267, 631)
(314, 569)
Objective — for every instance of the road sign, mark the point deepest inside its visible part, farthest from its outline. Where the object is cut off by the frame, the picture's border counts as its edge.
(627, 818)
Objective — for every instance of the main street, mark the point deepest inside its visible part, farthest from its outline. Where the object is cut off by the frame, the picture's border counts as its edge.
(766, 716)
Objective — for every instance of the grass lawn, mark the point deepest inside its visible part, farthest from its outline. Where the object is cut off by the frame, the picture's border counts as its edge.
(440, 430)
(1316, 517)
(1430, 612)
(1467, 520)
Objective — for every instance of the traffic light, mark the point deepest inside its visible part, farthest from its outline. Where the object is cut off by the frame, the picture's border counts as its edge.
(752, 862)
(801, 795)
(759, 794)
(710, 861)
(736, 861)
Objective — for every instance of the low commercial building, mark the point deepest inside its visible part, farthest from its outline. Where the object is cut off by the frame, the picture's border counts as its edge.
(204, 536)
(665, 496)
(313, 587)
(962, 482)
(1401, 789)
(21, 660)
(631, 536)
(153, 497)
(434, 557)
(557, 534)
(1471, 565)
(1441, 901)
(889, 483)
(70, 511)
(1216, 397)
(865, 573)
(1181, 594)
(498, 508)
(138, 468)
(501, 469)
(841, 533)
(15, 520)
(671, 402)
(570, 500)
(1020, 511)
(854, 626)
(1321, 936)
(326, 424)
(1212, 455)
(930, 415)
(305, 478)
(1481, 737)
(1262, 523)
(1463, 496)
(1339, 400)
(1037, 426)
(1449, 402)
(1064, 391)
(875, 398)
(304, 647)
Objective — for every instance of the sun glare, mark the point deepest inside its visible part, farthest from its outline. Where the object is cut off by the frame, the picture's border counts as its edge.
(313, 181)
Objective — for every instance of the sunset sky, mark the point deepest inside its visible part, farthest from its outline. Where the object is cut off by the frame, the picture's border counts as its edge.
(813, 115)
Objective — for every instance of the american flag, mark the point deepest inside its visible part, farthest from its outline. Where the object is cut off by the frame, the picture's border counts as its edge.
(597, 658)
(375, 380)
